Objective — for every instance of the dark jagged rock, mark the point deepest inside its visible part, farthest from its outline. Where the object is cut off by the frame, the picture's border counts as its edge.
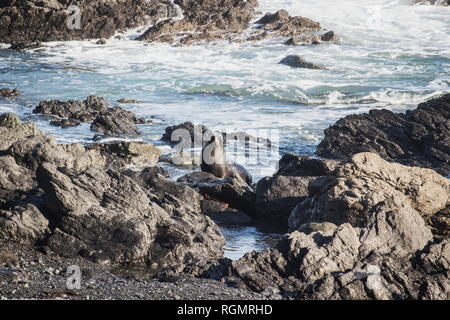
(281, 24)
(12, 130)
(33, 151)
(223, 215)
(420, 137)
(390, 258)
(47, 20)
(203, 20)
(117, 122)
(122, 154)
(66, 196)
(9, 93)
(443, 3)
(65, 123)
(21, 46)
(296, 61)
(364, 181)
(187, 131)
(108, 122)
(277, 196)
(298, 166)
(194, 133)
(213, 20)
(229, 191)
(277, 17)
(313, 39)
(83, 111)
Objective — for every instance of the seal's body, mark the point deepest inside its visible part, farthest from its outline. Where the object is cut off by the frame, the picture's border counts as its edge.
(214, 161)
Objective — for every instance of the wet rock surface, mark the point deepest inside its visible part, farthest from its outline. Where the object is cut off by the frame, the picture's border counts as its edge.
(366, 180)
(106, 121)
(385, 260)
(277, 196)
(420, 137)
(53, 20)
(70, 198)
(235, 194)
(9, 93)
(117, 122)
(359, 227)
(203, 21)
(296, 61)
(371, 230)
(122, 154)
(83, 111)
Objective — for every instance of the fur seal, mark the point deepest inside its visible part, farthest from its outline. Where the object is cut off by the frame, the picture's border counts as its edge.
(213, 160)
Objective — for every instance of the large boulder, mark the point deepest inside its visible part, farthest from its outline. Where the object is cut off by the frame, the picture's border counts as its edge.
(295, 61)
(53, 20)
(83, 111)
(32, 152)
(235, 194)
(389, 258)
(203, 20)
(107, 216)
(420, 137)
(188, 131)
(20, 220)
(300, 166)
(108, 122)
(117, 122)
(13, 129)
(277, 196)
(123, 154)
(25, 224)
(366, 180)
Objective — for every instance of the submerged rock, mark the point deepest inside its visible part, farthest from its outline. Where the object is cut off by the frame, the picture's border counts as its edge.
(419, 137)
(296, 61)
(313, 39)
(443, 3)
(9, 93)
(202, 21)
(65, 123)
(223, 215)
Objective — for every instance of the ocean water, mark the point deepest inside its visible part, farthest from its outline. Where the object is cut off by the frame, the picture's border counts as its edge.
(392, 55)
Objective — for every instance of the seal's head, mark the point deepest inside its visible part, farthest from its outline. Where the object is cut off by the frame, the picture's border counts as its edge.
(213, 151)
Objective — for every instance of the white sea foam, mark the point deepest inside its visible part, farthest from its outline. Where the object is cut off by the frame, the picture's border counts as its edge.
(392, 55)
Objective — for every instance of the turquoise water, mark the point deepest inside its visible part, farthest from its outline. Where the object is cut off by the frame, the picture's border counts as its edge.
(392, 55)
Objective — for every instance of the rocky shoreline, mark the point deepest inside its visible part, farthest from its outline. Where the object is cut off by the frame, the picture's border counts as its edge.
(351, 223)
(367, 219)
